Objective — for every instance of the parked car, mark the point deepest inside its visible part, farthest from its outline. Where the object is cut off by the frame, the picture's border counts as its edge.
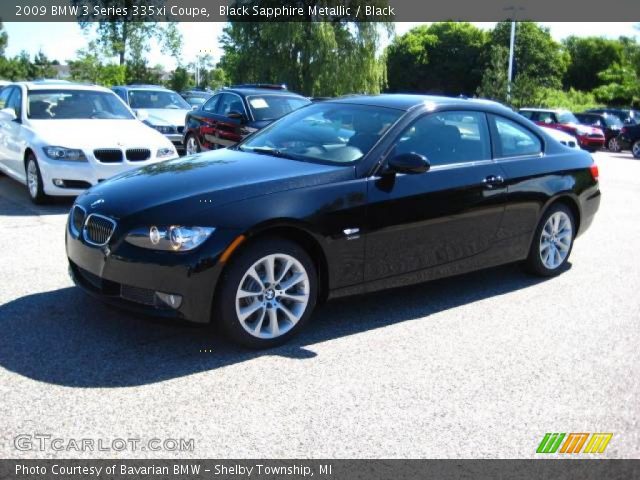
(564, 138)
(628, 116)
(158, 107)
(589, 138)
(61, 138)
(196, 98)
(233, 113)
(255, 235)
(629, 139)
(609, 124)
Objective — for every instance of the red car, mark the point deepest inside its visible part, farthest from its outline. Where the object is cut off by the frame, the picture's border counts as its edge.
(589, 138)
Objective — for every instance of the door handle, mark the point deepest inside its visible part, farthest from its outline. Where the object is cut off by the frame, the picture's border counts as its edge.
(493, 181)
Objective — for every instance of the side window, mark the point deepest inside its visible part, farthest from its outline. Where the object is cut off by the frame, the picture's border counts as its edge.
(121, 93)
(546, 117)
(15, 102)
(210, 105)
(4, 97)
(448, 138)
(514, 140)
(229, 103)
(527, 114)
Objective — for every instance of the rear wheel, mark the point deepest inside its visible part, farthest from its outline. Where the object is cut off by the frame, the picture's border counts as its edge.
(635, 149)
(267, 293)
(613, 145)
(552, 242)
(34, 181)
(191, 145)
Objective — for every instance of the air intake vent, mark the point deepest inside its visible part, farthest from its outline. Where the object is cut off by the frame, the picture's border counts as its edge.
(138, 154)
(78, 215)
(108, 155)
(98, 229)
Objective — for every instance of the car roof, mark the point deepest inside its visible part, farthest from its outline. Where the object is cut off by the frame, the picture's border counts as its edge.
(531, 109)
(141, 86)
(59, 85)
(247, 91)
(402, 101)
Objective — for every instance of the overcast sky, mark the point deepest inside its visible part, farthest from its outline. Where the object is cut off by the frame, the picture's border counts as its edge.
(61, 40)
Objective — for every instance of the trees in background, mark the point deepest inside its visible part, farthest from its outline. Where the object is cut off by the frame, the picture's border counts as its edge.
(314, 58)
(453, 58)
(441, 58)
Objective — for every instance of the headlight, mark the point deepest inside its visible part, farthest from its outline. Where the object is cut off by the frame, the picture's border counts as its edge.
(174, 238)
(166, 153)
(66, 154)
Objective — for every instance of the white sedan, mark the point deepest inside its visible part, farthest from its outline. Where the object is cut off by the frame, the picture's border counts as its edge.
(564, 138)
(60, 138)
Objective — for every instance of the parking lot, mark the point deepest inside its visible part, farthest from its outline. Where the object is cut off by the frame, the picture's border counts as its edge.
(478, 366)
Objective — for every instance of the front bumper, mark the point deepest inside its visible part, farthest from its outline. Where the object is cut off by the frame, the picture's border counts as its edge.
(129, 276)
(587, 142)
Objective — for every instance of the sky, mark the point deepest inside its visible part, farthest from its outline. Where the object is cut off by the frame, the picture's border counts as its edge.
(60, 41)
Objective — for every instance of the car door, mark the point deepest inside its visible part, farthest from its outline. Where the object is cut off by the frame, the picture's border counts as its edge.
(5, 93)
(203, 121)
(12, 140)
(228, 130)
(451, 213)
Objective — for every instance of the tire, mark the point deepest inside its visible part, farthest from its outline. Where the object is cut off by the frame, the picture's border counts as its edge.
(35, 187)
(191, 145)
(554, 236)
(246, 309)
(613, 145)
(635, 149)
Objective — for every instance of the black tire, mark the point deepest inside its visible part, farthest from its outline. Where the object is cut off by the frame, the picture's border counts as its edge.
(38, 197)
(635, 149)
(534, 264)
(224, 313)
(191, 136)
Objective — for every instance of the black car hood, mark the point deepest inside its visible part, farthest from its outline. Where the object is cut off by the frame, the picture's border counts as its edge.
(206, 180)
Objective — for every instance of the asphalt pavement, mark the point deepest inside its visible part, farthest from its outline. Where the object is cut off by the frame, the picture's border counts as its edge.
(477, 366)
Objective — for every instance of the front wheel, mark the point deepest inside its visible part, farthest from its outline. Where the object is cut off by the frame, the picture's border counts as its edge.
(552, 242)
(613, 145)
(34, 181)
(267, 293)
(191, 145)
(635, 149)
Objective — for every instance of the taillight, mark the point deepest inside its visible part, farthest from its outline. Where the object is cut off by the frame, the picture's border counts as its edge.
(594, 171)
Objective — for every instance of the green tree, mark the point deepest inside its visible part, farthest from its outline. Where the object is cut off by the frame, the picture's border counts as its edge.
(4, 40)
(121, 38)
(444, 57)
(88, 68)
(620, 85)
(181, 80)
(589, 57)
(314, 58)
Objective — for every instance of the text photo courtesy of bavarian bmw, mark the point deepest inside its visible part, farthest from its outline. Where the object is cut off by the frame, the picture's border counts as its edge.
(60, 138)
(336, 198)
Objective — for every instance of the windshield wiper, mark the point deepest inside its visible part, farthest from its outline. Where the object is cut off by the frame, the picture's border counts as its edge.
(269, 151)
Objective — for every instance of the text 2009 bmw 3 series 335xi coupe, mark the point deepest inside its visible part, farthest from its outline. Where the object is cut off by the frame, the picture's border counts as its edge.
(338, 198)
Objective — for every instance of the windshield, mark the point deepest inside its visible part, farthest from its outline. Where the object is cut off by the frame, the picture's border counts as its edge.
(75, 104)
(567, 117)
(272, 107)
(196, 101)
(324, 132)
(612, 121)
(157, 99)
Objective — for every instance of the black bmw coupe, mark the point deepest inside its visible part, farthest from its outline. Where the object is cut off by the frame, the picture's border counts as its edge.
(337, 198)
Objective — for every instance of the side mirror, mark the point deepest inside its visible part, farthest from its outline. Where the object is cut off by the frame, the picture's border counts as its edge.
(236, 116)
(408, 163)
(8, 114)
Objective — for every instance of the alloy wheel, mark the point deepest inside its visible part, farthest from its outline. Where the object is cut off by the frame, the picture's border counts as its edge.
(613, 145)
(272, 296)
(32, 178)
(555, 240)
(192, 145)
(636, 149)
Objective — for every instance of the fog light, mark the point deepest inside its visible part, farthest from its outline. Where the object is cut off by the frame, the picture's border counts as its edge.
(170, 299)
(58, 182)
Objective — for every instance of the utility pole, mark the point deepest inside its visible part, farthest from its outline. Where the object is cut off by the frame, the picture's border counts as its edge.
(511, 52)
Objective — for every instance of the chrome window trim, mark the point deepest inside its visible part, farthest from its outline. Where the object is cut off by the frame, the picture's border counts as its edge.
(84, 229)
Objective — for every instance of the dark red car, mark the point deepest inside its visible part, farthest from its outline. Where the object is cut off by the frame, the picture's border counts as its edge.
(589, 138)
(233, 113)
